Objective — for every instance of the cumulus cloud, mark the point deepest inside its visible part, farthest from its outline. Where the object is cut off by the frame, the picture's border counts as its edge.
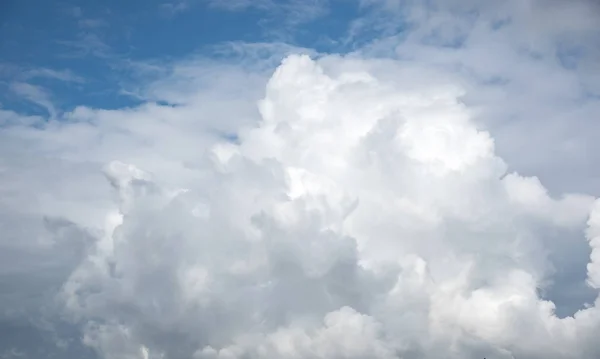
(359, 217)
(336, 207)
(514, 57)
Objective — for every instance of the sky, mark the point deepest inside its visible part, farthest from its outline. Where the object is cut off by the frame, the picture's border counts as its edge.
(345, 179)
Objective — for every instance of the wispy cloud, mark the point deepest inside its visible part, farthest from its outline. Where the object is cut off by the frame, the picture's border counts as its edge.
(73, 11)
(25, 83)
(61, 75)
(92, 23)
(285, 15)
(36, 95)
(293, 12)
(88, 38)
(86, 44)
(173, 8)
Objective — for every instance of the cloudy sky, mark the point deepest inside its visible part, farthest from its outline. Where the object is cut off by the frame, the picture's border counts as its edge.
(299, 179)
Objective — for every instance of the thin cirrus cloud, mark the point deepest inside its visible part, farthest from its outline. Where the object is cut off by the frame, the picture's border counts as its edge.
(428, 194)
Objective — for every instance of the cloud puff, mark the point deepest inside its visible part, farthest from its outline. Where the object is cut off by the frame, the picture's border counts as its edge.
(513, 58)
(359, 216)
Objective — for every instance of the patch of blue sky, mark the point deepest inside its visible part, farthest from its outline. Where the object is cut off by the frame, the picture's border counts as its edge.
(329, 33)
(97, 41)
(93, 39)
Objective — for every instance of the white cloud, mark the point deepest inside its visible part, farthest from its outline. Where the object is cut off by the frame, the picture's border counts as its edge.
(362, 210)
(359, 216)
(345, 334)
(35, 94)
(92, 23)
(277, 18)
(173, 8)
(515, 58)
(87, 44)
(61, 75)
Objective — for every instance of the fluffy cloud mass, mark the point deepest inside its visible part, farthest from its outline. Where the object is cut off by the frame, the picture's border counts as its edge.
(362, 217)
(343, 207)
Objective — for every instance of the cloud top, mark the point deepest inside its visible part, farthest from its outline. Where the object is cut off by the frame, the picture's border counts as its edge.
(363, 216)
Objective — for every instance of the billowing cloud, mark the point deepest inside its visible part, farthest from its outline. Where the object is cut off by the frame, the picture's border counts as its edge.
(357, 206)
(514, 58)
(361, 216)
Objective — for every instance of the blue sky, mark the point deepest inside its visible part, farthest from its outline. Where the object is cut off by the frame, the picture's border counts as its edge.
(95, 40)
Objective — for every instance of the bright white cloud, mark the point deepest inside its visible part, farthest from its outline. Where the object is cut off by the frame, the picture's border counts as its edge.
(360, 216)
(514, 58)
(338, 207)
